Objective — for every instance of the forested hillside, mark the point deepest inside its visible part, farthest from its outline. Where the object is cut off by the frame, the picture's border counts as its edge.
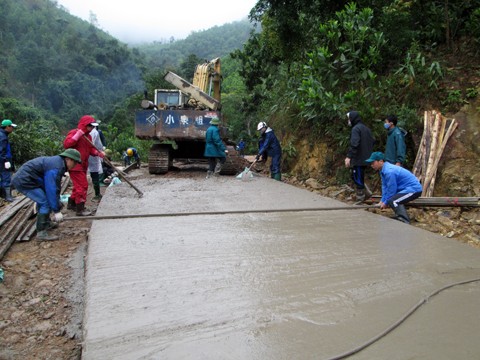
(62, 64)
(55, 67)
(207, 44)
(307, 68)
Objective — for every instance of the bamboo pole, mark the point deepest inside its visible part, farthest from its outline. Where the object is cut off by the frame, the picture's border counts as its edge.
(437, 119)
(417, 167)
(451, 129)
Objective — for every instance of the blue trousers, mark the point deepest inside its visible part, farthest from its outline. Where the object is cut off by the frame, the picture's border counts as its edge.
(275, 165)
(38, 195)
(5, 178)
(358, 176)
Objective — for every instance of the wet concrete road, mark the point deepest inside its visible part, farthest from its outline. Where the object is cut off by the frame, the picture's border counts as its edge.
(290, 285)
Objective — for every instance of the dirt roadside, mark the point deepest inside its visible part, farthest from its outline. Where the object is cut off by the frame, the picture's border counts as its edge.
(41, 298)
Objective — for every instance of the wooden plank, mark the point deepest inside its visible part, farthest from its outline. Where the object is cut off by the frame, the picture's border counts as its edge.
(446, 201)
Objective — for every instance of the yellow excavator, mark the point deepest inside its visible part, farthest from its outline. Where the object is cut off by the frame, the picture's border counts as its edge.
(178, 119)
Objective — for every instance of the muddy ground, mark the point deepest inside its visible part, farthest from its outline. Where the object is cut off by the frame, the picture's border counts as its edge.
(42, 294)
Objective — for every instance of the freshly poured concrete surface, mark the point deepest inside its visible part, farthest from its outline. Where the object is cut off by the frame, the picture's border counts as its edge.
(293, 285)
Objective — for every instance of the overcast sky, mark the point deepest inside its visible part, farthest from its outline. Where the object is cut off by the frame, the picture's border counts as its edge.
(150, 20)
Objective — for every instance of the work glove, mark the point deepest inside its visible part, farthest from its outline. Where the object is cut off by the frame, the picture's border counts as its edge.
(257, 157)
(226, 151)
(78, 135)
(7, 165)
(58, 217)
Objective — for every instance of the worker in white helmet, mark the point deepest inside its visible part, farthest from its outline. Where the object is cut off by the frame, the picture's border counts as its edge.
(270, 147)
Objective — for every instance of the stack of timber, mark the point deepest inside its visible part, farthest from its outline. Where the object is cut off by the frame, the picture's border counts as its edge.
(441, 201)
(17, 221)
(432, 145)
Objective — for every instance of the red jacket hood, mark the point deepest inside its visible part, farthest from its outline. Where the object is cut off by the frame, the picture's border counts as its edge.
(84, 121)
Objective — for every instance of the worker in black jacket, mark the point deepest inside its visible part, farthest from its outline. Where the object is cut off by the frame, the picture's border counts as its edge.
(361, 146)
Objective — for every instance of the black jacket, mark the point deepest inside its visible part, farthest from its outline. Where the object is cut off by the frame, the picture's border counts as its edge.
(361, 141)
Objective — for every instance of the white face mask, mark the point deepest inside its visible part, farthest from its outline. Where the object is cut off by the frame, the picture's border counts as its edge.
(348, 118)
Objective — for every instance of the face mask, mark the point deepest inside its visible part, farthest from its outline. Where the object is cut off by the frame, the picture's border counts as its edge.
(349, 123)
(386, 126)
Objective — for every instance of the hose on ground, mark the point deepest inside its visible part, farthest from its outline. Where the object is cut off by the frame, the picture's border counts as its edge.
(400, 321)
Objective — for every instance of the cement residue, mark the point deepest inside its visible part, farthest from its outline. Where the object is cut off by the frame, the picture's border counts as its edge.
(76, 291)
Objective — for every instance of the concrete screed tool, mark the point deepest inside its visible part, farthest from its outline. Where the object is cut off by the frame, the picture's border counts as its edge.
(120, 173)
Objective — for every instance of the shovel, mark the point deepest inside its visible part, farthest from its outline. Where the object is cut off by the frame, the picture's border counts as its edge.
(246, 174)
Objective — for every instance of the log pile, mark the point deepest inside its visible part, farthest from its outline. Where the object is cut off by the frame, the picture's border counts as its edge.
(432, 145)
(17, 221)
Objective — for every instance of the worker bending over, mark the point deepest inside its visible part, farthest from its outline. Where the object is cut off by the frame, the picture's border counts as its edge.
(40, 179)
(131, 154)
(399, 186)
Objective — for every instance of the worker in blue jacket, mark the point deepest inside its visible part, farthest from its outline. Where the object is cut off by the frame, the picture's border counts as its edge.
(399, 186)
(40, 180)
(395, 150)
(215, 150)
(6, 163)
(270, 147)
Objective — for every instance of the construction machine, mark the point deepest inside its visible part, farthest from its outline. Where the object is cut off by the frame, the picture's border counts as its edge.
(177, 120)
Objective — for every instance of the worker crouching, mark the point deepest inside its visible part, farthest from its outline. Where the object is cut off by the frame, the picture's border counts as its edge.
(399, 186)
(40, 180)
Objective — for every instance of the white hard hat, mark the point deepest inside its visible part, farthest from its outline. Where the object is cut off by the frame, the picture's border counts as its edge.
(261, 125)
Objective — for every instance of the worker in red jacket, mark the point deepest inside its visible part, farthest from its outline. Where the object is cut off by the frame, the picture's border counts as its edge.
(80, 139)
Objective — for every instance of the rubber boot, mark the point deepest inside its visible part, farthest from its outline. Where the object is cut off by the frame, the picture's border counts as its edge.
(8, 194)
(401, 214)
(71, 204)
(209, 174)
(360, 196)
(81, 211)
(277, 176)
(42, 234)
(218, 168)
(98, 196)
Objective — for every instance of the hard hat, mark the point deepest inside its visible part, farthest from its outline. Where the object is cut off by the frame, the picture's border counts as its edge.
(130, 152)
(72, 154)
(261, 125)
